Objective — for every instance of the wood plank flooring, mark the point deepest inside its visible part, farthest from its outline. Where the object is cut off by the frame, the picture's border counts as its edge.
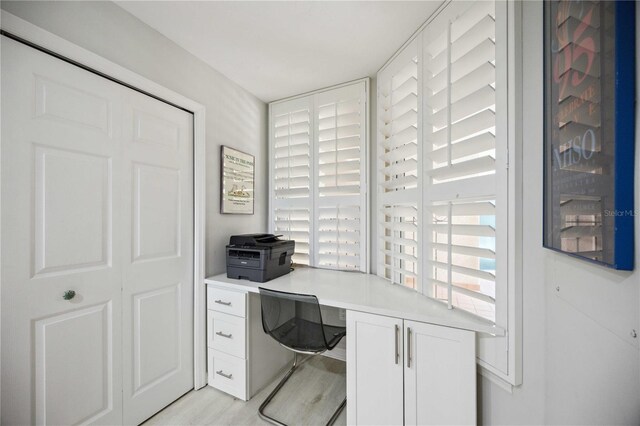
(309, 398)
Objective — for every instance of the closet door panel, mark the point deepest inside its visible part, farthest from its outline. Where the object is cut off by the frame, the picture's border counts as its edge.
(157, 255)
(61, 300)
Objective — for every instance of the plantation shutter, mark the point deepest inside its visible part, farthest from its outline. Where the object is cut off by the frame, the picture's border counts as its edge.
(464, 189)
(291, 164)
(340, 200)
(318, 180)
(398, 178)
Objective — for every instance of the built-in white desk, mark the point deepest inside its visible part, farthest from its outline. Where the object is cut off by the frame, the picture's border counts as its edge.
(363, 293)
(410, 359)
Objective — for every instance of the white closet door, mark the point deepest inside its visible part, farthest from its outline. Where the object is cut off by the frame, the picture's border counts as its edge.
(157, 255)
(439, 375)
(61, 359)
(97, 196)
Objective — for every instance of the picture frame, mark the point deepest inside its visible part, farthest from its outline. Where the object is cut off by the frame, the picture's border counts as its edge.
(237, 181)
(589, 135)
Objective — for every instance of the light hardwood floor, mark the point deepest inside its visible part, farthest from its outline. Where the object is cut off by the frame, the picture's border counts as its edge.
(309, 398)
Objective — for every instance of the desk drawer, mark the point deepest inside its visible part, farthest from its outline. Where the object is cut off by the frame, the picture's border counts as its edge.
(226, 301)
(226, 333)
(227, 373)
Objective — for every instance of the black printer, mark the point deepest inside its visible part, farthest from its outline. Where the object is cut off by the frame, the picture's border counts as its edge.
(258, 257)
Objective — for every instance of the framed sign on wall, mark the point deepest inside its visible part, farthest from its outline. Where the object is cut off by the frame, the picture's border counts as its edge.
(237, 181)
(589, 76)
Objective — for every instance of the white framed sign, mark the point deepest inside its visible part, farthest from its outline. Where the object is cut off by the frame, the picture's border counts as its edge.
(237, 181)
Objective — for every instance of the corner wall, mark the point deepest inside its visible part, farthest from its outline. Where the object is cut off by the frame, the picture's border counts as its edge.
(234, 117)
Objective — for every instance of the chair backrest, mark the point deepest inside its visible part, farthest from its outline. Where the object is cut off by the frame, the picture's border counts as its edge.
(294, 320)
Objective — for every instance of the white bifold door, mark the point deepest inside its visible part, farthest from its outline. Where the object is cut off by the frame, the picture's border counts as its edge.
(97, 246)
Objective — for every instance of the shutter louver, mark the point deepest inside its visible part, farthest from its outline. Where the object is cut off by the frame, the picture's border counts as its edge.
(291, 127)
(460, 152)
(339, 237)
(294, 224)
(399, 244)
(461, 254)
(460, 115)
(318, 176)
(339, 143)
(399, 128)
(292, 150)
(398, 186)
(340, 159)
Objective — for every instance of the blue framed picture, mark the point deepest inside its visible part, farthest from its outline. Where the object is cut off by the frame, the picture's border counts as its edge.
(589, 77)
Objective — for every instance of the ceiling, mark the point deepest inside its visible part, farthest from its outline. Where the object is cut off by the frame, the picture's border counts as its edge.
(276, 49)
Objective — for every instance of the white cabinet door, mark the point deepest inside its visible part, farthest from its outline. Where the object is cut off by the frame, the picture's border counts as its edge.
(374, 369)
(439, 375)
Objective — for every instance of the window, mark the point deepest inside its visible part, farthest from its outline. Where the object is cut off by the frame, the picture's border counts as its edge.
(442, 167)
(318, 176)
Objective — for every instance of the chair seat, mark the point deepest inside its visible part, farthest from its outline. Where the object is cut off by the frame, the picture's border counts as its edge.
(337, 332)
(303, 335)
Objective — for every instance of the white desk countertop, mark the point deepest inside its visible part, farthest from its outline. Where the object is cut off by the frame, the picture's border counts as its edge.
(365, 293)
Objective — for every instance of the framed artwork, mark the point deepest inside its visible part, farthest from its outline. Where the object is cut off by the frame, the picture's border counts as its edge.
(237, 181)
(589, 77)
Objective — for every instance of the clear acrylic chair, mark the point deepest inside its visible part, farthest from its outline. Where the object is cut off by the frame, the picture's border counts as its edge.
(295, 321)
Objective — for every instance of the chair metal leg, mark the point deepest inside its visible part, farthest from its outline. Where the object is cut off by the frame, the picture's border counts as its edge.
(273, 393)
(336, 413)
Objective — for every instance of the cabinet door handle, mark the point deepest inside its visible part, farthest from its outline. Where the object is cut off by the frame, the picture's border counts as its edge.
(408, 347)
(220, 302)
(221, 334)
(397, 343)
(220, 373)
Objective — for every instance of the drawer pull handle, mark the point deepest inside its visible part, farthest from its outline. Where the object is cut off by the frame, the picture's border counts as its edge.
(220, 302)
(221, 334)
(227, 376)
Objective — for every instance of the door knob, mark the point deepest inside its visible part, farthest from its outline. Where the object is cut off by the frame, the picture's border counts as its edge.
(69, 294)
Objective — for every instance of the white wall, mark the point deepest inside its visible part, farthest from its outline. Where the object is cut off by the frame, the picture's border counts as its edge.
(581, 365)
(234, 117)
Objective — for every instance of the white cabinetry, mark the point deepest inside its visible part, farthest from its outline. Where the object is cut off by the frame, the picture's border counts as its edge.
(374, 369)
(241, 358)
(439, 375)
(406, 372)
